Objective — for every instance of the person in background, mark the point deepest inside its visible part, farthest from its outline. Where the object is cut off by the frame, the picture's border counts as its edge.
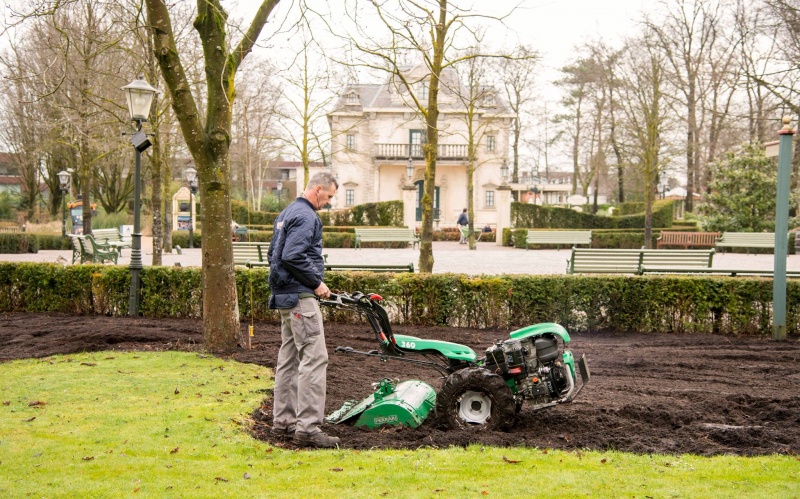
(462, 222)
(296, 282)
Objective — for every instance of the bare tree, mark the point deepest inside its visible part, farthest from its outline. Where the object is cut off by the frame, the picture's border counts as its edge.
(646, 118)
(209, 145)
(517, 75)
(688, 35)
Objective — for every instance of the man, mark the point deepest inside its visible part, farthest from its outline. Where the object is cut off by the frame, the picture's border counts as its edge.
(462, 222)
(296, 281)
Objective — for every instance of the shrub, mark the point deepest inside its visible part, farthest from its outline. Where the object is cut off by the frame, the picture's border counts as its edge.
(655, 304)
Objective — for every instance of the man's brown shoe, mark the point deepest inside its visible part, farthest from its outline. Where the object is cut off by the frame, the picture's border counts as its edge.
(317, 440)
(280, 432)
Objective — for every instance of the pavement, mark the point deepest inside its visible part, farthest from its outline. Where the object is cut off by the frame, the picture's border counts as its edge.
(449, 256)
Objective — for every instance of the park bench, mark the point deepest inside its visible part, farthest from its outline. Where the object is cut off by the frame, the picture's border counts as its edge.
(386, 235)
(245, 252)
(370, 268)
(720, 272)
(465, 233)
(95, 253)
(558, 237)
(631, 261)
(110, 238)
(77, 250)
(746, 240)
(687, 239)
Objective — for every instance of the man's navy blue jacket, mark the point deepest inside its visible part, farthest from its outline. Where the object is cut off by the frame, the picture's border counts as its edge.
(295, 254)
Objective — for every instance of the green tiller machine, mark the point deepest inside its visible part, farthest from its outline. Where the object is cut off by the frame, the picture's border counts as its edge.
(533, 365)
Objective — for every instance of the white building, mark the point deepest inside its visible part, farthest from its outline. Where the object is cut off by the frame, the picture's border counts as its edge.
(377, 133)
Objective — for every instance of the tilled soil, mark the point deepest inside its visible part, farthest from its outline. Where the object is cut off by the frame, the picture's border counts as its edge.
(700, 394)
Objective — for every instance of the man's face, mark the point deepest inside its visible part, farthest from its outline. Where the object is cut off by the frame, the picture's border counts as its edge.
(322, 196)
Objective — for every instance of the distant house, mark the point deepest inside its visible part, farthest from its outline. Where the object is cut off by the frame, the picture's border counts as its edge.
(378, 140)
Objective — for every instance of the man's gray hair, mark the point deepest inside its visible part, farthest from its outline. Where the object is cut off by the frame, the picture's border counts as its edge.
(325, 179)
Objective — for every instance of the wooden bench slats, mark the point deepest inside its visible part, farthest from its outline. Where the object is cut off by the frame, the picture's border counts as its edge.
(630, 261)
(687, 239)
(350, 267)
(572, 237)
(244, 252)
(746, 240)
(370, 268)
(386, 235)
(717, 272)
(110, 239)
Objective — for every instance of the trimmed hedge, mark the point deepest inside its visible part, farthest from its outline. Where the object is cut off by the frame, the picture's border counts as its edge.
(649, 304)
(551, 217)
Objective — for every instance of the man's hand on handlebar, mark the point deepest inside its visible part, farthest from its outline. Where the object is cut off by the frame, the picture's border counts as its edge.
(322, 291)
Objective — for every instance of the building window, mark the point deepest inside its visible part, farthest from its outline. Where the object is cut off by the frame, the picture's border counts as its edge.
(423, 90)
(350, 197)
(490, 199)
(351, 142)
(352, 98)
(490, 143)
(488, 100)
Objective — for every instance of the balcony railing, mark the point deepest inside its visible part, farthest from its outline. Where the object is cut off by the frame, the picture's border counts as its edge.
(404, 151)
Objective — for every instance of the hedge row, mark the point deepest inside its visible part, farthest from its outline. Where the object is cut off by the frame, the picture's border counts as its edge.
(552, 217)
(645, 304)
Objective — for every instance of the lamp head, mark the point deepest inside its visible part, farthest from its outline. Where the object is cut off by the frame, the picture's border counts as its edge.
(504, 171)
(140, 95)
(63, 180)
(410, 168)
(279, 185)
(190, 174)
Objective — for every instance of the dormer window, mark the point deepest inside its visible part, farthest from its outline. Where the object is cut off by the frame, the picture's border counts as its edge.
(352, 98)
(488, 100)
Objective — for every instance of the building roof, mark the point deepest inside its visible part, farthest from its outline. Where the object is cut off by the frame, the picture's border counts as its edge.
(392, 94)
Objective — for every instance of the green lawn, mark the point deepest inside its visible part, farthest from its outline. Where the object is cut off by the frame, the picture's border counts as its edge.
(173, 424)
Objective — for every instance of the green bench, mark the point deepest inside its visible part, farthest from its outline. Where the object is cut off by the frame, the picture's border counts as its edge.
(95, 253)
(558, 237)
(687, 239)
(632, 261)
(246, 252)
(110, 239)
(386, 235)
(369, 268)
(720, 272)
(746, 240)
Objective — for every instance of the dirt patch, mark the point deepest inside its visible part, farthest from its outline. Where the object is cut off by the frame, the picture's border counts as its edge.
(699, 394)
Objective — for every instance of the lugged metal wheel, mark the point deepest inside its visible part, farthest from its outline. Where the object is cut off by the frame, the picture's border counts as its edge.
(474, 397)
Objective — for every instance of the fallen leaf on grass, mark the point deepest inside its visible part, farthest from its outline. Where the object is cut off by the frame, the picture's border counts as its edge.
(603, 461)
(29, 419)
(173, 451)
(220, 479)
(511, 461)
(6, 402)
(34, 403)
(90, 364)
(88, 458)
(177, 391)
(337, 469)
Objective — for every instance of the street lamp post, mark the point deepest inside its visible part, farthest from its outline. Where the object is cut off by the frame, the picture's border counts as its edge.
(504, 172)
(139, 95)
(63, 184)
(279, 185)
(191, 178)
